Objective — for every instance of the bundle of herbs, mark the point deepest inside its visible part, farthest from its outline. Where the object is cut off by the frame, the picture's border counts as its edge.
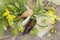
(9, 12)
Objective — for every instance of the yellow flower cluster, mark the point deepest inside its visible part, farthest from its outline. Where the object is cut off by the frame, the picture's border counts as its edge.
(52, 16)
(6, 13)
(57, 18)
(9, 17)
(52, 21)
(50, 13)
(21, 29)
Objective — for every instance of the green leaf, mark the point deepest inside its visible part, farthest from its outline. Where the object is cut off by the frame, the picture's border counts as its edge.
(19, 22)
(39, 2)
(17, 5)
(4, 24)
(34, 32)
(14, 31)
(1, 31)
(53, 30)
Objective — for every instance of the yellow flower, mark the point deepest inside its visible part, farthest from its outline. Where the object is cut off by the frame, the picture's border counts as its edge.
(52, 21)
(7, 17)
(52, 8)
(13, 16)
(11, 24)
(50, 13)
(6, 13)
(10, 18)
(57, 18)
(53, 31)
(21, 29)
